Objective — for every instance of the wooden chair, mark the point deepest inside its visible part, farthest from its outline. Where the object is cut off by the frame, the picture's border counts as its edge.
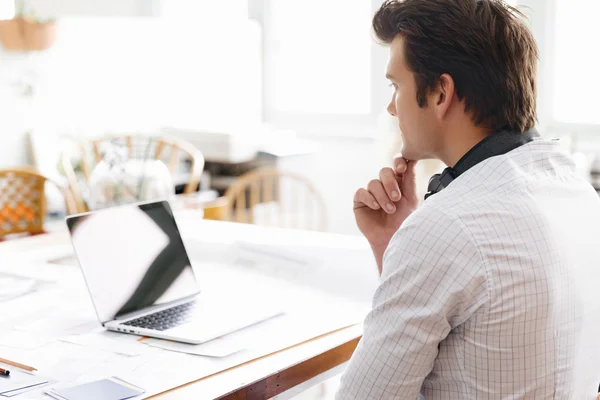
(167, 149)
(23, 201)
(268, 196)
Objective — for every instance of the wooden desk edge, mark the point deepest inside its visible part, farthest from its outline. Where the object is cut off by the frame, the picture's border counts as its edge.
(285, 379)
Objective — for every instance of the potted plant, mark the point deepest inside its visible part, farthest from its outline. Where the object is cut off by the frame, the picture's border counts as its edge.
(27, 31)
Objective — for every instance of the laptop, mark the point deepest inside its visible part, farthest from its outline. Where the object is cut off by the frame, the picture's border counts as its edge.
(141, 280)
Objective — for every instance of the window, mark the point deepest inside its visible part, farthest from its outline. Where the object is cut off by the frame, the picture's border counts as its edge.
(319, 56)
(7, 9)
(113, 72)
(96, 77)
(227, 11)
(323, 70)
(575, 61)
(567, 86)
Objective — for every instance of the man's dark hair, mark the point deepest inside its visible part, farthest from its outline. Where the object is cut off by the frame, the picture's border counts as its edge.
(484, 45)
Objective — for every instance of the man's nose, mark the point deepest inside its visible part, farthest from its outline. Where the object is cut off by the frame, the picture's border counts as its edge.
(391, 108)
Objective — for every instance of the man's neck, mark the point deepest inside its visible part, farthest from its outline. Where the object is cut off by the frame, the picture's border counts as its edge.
(459, 144)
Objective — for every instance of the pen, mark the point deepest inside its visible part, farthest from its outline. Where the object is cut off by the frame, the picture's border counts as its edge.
(4, 372)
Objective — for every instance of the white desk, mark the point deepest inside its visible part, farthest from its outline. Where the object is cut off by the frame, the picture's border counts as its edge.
(345, 269)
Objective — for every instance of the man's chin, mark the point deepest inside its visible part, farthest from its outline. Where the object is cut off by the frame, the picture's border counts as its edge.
(411, 154)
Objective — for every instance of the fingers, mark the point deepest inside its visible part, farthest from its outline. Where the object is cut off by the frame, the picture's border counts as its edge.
(377, 190)
(400, 164)
(390, 180)
(363, 198)
(392, 185)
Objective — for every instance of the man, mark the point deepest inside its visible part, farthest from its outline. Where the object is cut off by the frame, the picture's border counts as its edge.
(487, 289)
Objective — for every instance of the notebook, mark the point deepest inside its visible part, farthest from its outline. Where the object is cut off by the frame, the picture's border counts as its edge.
(106, 389)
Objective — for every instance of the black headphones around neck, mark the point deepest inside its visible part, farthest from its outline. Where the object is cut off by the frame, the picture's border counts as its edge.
(494, 144)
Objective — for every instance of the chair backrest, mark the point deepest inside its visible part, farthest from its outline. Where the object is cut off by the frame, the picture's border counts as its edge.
(268, 196)
(167, 149)
(23, 201)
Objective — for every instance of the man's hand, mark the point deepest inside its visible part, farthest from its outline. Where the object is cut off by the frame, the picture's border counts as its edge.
(381, 208)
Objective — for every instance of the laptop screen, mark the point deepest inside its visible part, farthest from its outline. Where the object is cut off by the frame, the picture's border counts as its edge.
(132, 257)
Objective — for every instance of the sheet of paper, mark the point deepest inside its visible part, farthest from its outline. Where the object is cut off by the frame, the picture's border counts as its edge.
(54, 315)
(166, 369)
(32, 307)
(108, 341)
(269, 336)
(69, 368)
(274, 261)
(346, 272)
(25, 250)
(23, 340)
(29, 389)
(19, 380)
(56, 325)
(62, 275)
(13, 286)
(221, 347)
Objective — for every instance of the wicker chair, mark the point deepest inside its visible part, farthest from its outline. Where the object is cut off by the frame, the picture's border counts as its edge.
(23, 201)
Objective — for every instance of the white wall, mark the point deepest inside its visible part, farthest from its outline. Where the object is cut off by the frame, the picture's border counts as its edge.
(14, 120)
(104, 8)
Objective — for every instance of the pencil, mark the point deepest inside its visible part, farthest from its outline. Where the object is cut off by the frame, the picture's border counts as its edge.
(18, 365)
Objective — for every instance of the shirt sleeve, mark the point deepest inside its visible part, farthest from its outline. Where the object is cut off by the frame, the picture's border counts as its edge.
(432, 281)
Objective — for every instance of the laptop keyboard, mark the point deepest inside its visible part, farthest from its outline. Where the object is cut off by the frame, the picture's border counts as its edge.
(165, 319)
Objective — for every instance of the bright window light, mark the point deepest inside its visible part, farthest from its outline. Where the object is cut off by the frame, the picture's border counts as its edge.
(576, 61)
(320, 56)
(130, 73)
(7, 9)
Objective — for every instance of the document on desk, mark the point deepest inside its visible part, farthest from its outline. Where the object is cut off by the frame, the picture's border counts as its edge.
(220, 347)
(58, 325)
(349, 273)
(20, 382)
(27, 251)
(13, 286)
(269, 336)
(31, 307)
(53, 316)
(114, 342)
(23, 340)
(274, 261)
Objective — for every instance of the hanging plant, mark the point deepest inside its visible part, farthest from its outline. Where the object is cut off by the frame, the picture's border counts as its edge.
(27, 31)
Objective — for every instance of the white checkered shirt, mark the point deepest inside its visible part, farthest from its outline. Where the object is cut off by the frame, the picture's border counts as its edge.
(490, 290)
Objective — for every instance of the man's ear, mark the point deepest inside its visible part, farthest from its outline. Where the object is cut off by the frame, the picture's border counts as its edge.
(444, 93)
